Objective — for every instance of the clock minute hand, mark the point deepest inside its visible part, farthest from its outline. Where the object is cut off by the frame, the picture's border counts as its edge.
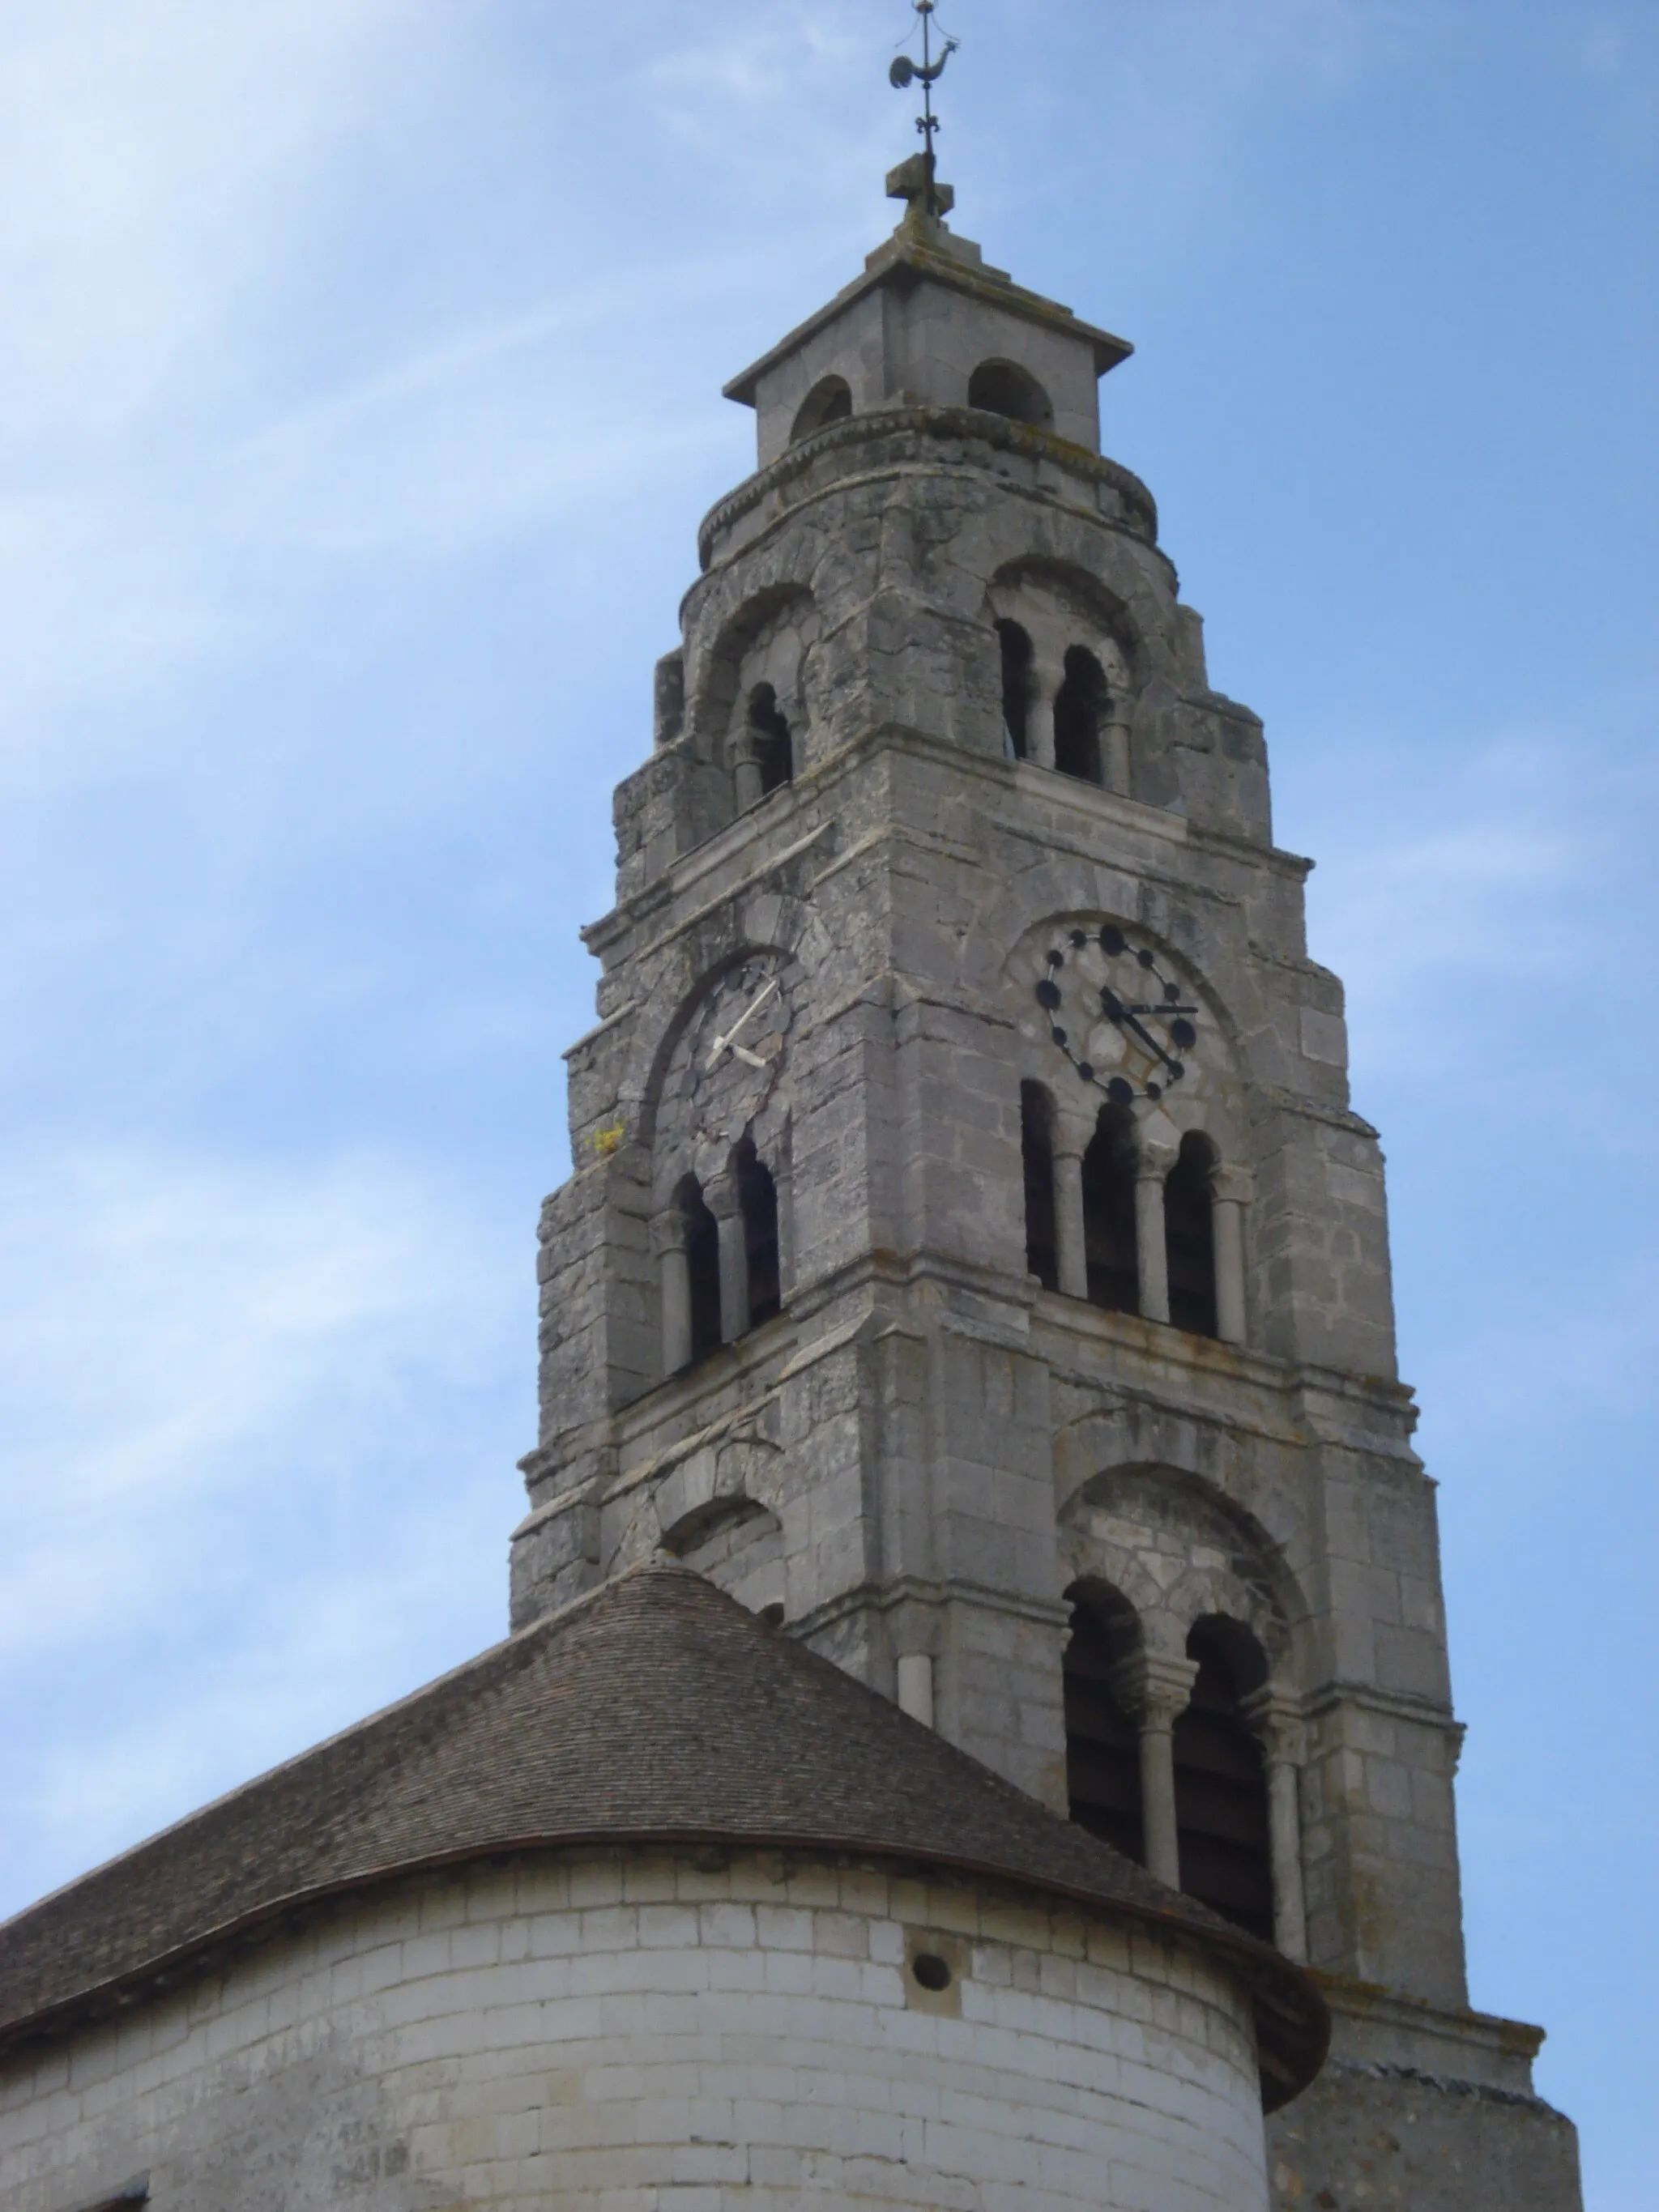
(754, 1007)
(1116, 1010)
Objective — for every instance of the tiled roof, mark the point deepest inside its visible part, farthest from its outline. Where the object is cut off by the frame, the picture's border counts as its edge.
(655, 1710)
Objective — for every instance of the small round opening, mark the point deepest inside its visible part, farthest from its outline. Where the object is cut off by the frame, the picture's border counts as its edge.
(772, 1616)
(931, 1971)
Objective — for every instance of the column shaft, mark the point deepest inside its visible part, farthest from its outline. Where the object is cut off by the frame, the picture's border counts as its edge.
(1284, 1831)
(734, 1275)
(1158, 1798)
(674, 1282)
(1115, 757)
(1040, 724)
(1152, 1252)
(1071, 1250)
(1227, 1227)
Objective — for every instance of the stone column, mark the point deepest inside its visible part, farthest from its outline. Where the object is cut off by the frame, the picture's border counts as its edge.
(1071, 1252)
(674, 1282)
(1115, 756)
(746, 769)
(915, 1686)
(1230, 1194)
(1274, 1713)
(1040, 717)
(721, 1197)
(1151, 1252)
(1154, 1691)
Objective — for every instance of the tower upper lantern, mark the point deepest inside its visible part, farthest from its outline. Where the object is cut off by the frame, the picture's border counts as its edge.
(931, 324)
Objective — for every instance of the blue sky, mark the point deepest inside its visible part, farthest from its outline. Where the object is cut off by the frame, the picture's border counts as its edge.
(359, 400)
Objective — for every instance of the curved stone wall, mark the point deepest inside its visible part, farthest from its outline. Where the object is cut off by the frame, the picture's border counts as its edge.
(643, 2030)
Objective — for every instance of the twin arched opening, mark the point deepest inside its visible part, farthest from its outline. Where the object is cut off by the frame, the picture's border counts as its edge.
(1066, 718)
(1169, 1762)
(719, 1261)
(1107, 1224)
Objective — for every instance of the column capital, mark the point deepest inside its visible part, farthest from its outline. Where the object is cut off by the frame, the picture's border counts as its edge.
(1153, 1161)
(721, 1196)
(667, 1231)
(1273, 1715)
(1233, 1186)
(1153, 1690)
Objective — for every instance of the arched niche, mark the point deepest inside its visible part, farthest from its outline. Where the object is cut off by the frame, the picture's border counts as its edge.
(1003, 387)
(830, 400)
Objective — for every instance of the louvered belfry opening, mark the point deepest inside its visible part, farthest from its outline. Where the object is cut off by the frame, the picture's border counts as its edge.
(1079, 711)
(1108, 1213)
(1189, 1236)
(757, 1195)
(1037, 1159)
(1103, 1757)
(1016, 650)
(702, 1262)
(1221, 1788)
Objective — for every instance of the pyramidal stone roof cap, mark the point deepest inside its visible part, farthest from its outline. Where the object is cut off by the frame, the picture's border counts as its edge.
(922, 246)
(655, 1711)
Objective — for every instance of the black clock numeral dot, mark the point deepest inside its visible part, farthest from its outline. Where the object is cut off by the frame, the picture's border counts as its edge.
(1085, 1071)
(1112, 939)
(1048, 994)
(1154, 1090)
(1184, 1035)
(1145, 958)
(1056, 957)
(1172, 992)
(1176, 1071)
(1079, 936)
(1058, 1036)
(1120, 1091)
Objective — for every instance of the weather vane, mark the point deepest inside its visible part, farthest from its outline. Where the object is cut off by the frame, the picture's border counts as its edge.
(926, 73)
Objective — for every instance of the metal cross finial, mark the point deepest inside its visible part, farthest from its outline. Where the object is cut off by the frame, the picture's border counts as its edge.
(925, 73)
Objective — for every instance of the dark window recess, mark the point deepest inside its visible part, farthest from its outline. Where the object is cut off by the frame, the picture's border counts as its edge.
(1079, 712)
(126, 2198)
(830, 400)
(1037, 1159)
(703, 1258)
(1015, 687)
(1002, 387)
(774, 750)
(1221, 1788)
(758, 1194)
(1189, 1236)
(1103, 1754)
(1108, 1213)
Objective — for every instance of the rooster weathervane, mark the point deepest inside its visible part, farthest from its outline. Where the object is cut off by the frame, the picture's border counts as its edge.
(926, 73)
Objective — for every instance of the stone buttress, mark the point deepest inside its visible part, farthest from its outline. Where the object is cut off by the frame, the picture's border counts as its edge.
(860, 1297)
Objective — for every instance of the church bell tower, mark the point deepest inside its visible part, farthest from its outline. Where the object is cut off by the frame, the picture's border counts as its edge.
(973, 1261)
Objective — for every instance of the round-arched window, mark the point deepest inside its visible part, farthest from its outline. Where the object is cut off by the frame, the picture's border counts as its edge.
(1003, 388)
(830, 400)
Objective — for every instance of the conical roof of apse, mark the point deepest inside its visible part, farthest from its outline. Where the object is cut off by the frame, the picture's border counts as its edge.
(655, 1711)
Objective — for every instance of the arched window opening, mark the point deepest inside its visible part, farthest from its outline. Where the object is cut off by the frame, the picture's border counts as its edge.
(757, 1195)
(1037, 1156)
(1189, 1236)
(1221, 1788)
(773, 751)
(702, 1264)
(1108, 1213)
(1002, 387)
(1079, 711)
(830, 400)
(1015, 687)
(1103, 1755)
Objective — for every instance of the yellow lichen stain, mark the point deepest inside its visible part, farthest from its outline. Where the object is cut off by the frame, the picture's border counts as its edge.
(603, 1142)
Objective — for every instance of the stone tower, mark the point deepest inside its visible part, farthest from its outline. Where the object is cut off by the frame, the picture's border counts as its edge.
(973, 1261)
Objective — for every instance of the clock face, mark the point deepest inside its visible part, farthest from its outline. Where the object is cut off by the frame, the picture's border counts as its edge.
(734, 1048)
(1126, 1027)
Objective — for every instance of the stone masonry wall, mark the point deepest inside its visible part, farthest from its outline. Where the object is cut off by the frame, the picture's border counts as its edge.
(636, 2031)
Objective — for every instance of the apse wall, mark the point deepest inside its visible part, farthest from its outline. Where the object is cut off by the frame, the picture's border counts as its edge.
(648, 2029)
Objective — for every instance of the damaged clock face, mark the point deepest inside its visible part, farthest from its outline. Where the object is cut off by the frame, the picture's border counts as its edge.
(735, 1048)
(1127, 1027)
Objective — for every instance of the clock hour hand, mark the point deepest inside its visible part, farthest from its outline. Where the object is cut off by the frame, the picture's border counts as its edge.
(751, 1059)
